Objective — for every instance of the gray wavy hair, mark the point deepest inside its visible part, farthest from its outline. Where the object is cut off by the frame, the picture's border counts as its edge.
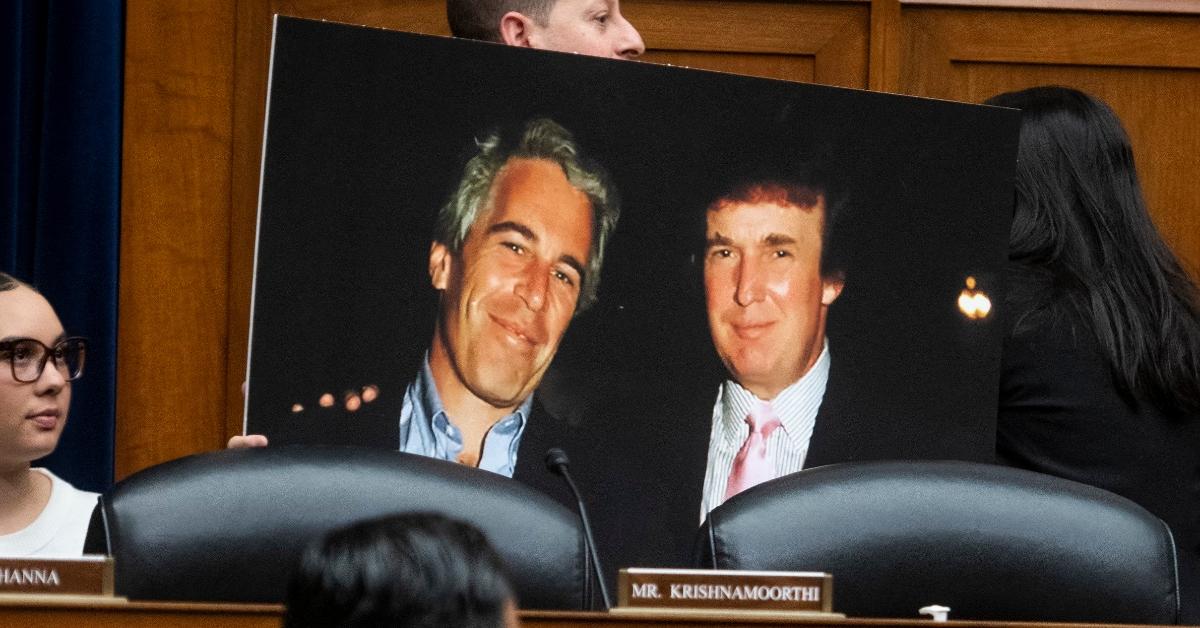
(541, 138)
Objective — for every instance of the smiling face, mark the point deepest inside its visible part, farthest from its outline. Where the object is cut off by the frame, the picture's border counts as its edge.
(509, 294)
(32, 415)
(587, 27)
(764, 291)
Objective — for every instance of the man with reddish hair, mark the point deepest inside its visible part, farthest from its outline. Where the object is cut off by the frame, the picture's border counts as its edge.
(768, 284)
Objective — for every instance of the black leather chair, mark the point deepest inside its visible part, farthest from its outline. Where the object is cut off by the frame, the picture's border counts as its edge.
(229, 525)
(990, 542)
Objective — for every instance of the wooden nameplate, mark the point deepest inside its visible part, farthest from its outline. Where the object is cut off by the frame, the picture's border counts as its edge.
(85, 576)
(692, 590)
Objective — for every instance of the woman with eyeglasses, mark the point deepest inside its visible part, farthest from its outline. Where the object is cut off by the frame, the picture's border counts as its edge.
(40, 514)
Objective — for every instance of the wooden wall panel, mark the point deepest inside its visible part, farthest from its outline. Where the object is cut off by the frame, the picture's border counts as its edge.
(809, 42)
(1145, 65)
(174, 230)
(195, 90)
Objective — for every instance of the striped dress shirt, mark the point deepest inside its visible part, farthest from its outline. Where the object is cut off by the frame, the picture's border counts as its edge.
(796, 406)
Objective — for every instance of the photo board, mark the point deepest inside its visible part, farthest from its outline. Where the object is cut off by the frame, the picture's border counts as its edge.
(367, 135)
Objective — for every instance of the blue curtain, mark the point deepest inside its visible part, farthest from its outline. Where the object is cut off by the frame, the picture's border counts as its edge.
(60, 111)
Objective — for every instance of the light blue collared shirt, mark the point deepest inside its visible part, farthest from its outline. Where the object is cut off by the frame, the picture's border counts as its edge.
(425, 428)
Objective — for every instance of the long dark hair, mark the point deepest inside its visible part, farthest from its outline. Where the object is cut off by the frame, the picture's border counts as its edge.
(1082, 243)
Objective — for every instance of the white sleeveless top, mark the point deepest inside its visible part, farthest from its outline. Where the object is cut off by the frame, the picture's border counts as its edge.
(59, 530)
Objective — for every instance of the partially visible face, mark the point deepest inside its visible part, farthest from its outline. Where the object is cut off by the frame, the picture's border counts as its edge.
(765, 295)
(32, 415)
(509, 295)
(588, 27)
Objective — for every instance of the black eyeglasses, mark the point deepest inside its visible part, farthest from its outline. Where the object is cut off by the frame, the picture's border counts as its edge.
(27, 358)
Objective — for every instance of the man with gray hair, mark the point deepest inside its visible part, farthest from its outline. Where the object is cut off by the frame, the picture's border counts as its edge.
(516, 254)
(589, 27)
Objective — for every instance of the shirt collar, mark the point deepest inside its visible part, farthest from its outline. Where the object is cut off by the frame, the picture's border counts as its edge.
(431, 406)
(793, 406)
(521, 415)
(426, 390)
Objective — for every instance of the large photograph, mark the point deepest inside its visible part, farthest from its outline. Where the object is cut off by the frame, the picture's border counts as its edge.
(485, 252)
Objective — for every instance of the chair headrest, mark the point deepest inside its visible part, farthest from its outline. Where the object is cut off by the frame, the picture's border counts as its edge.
(230, 525)
(990, 542)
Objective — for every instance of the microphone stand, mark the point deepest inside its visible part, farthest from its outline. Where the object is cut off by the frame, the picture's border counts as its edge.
(556, 461)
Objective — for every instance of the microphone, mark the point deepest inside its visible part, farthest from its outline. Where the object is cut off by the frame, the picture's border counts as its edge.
(556, 462)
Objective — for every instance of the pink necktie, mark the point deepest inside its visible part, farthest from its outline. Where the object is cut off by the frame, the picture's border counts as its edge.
(752, 466)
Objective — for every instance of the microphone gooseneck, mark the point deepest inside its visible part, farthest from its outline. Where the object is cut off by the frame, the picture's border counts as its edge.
(712, 539)
(556, 462)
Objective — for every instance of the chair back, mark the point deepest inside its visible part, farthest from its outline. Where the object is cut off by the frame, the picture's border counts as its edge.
(230, 525)
(990, 542)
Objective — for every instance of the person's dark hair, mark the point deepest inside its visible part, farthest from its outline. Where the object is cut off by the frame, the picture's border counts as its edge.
(480, 19)
(8, 282)
(540, 138)
(415, 570)
(1083, 243)
(794, 186)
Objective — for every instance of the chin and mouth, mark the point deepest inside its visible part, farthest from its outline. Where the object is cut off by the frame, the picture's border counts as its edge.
(46, 422)
(751, 331)
(746, 347)
(514, 356)
(502, 388)
(520, 337)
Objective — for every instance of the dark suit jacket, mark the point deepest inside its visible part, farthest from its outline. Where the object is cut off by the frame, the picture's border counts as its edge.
(643, 479)
(642, 488)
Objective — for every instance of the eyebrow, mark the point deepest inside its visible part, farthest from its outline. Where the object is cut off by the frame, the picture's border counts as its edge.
(718, 240)
(570, 260)
(509, 225)
(778, 239)
(771, 239)
(61, 337)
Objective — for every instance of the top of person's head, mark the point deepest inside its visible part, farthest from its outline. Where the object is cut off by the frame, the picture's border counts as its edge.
(480, 19)
(1082, 239)
(791, 185)
(590, 27)
(8, 282)
(540, 139)
(420, 570)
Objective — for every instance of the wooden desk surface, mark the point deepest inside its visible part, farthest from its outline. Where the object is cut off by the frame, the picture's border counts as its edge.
(43, 612)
